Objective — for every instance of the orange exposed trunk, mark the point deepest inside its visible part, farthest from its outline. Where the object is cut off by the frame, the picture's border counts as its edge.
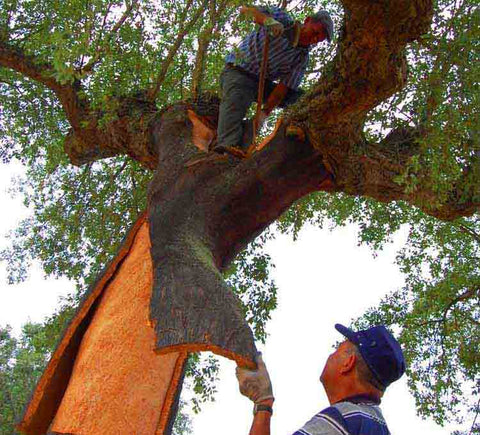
(119, 384)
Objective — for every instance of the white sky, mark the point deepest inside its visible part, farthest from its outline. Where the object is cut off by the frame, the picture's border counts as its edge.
(324, 278)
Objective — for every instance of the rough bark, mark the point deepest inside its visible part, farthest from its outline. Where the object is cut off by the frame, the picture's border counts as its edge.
(201, 217)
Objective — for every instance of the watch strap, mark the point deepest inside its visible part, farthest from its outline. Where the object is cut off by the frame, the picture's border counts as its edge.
(261, 407)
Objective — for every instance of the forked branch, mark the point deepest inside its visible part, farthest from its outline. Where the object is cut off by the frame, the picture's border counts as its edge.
(15, 59)
(184, 30)
(100, 47)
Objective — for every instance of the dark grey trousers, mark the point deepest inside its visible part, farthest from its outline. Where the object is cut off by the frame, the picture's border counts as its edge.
(239, 91)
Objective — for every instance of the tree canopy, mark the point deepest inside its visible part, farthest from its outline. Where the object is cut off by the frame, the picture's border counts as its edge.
(392, 107)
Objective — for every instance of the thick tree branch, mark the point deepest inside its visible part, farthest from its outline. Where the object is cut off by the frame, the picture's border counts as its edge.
(86, 142)
(41, 72)
(373, 169)
(13, 58)
(370, 66)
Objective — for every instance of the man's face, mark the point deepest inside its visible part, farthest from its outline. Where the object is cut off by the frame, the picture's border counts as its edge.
(333, 367)
(312, 32)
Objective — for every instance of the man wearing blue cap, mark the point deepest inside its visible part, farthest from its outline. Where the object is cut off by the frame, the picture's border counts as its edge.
(355, 377)
(288, 56)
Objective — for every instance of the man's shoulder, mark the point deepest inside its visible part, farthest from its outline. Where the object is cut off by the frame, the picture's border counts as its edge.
(362, 417)
(327, 422)
(346, 418)
(366, 410)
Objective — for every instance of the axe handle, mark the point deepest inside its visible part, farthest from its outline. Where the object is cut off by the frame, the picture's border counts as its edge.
(261, 92)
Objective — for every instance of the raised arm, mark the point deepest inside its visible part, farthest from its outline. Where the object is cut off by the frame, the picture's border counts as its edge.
(253, 12)
(274, 27)
(261, 420)
(256, 385)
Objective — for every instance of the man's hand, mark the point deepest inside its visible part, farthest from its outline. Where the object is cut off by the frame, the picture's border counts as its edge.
(273, 27)
(275, 98)
(255, 384)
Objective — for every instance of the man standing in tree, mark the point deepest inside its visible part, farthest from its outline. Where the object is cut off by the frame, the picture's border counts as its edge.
(355, 377)
(290, 42)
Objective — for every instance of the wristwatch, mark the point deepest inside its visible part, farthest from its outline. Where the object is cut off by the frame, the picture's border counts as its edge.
(261, 407)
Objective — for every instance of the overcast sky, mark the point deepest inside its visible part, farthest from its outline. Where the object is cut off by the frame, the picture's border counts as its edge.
(324, 278)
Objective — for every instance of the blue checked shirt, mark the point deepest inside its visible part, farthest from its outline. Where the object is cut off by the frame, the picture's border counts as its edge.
(357, 417)
(286, 63)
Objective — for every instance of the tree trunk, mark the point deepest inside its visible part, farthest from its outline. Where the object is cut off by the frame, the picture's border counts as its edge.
(201, 216)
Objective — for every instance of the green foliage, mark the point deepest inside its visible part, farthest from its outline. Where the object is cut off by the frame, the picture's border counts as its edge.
(249, 278)
(201, 377)
(22, 361)
(442, 100)
(437, 314)
(80, 217)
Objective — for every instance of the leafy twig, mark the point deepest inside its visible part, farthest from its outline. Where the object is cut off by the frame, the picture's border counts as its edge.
(184, 29)
(98, 51)
(475, 419)
(467, 230)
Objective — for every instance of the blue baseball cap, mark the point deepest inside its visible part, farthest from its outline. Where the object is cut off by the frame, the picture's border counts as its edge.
(381, 352)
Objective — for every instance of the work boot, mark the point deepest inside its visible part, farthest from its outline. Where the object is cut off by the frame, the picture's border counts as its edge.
(233, 151)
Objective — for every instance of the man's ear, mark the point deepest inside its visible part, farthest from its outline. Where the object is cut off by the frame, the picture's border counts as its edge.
(348, 364)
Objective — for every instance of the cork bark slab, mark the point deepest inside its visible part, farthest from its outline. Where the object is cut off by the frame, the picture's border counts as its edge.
(119, 384)
(111, 373)
(132, 300)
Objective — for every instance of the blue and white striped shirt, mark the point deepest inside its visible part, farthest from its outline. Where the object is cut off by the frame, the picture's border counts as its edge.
(347, 418)
(286, 63)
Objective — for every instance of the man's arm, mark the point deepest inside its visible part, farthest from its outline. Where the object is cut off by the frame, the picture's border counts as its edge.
(256, 385)
(275, 98)
(274, 27)
(261, 420)
(253, 12)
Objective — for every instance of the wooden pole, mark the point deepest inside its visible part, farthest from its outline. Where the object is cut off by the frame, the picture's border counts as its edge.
(261, 92)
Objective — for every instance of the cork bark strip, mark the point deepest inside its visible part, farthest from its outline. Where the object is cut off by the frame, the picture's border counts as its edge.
(94, 322)
(119, 384)
(49, 391)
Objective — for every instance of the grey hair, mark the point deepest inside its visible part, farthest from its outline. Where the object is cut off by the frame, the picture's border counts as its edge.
(364, 372)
